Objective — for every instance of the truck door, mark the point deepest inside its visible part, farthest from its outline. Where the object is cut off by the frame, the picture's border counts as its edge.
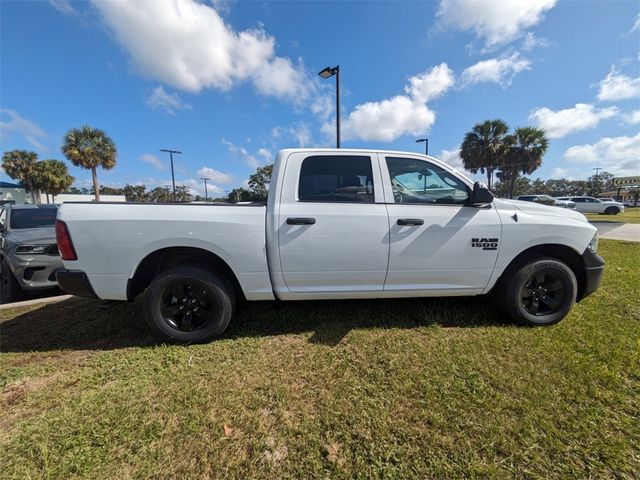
(333, 228)
(438, 242)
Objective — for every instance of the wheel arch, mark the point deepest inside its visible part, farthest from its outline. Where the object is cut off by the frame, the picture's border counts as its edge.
(561, 252)
(159, 260)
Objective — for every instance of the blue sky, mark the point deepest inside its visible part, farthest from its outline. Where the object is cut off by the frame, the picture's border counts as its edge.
(231, 82)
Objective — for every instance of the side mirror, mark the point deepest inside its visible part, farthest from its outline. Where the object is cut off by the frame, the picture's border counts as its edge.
(480, 194)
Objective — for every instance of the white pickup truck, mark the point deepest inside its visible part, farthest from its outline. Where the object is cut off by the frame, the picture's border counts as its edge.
(338, 224)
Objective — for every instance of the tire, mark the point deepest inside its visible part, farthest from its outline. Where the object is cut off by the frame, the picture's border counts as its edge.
(611, 211)
(10, 290)
(541, 291)
(188, 304)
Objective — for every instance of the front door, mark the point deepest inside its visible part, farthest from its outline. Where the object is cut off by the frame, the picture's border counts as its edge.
(333, 236)
(438, 242)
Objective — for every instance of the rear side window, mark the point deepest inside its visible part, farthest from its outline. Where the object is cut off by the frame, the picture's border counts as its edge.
(343, 178)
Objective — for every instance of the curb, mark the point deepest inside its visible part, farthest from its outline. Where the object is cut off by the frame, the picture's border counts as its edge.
(26, 303)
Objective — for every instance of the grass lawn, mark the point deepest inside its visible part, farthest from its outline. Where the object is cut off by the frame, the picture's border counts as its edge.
(630, 215)
(424, 388)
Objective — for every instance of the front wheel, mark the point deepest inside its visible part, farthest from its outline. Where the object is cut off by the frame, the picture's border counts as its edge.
(540, 292)
(188, 304)
(611, 211)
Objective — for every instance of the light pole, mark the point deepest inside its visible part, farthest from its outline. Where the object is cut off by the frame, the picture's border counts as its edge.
(330, 72)
(173, 178)
(595, 182)
(426, 144)
(206, 195)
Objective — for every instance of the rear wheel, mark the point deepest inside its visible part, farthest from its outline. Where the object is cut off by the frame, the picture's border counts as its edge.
(612, 211)
(540, 292)
(188, 304)
(10, 290)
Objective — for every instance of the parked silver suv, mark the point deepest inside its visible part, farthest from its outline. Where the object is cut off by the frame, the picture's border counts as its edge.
(28, 252)
(547, 200)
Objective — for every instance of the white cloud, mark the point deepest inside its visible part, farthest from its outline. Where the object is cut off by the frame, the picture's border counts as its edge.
(496, 70)
(618, 155)
(497, 22)
(389, 119)
(188, 45)
(23, 127)
(616, 86)
(247, 158)
(63, 6)
(299, 132)
(216, 176)
(530, 42)
(558, 173)
(169, 102)
(152, 160)
(636, 25)
(633, 118)
(560, 123)
(452, 158)
(430, 84)
(266, 154)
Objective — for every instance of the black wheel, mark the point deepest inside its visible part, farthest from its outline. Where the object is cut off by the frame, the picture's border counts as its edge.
(611, 211)
(10, 290)
(188, 304)
(540, 292)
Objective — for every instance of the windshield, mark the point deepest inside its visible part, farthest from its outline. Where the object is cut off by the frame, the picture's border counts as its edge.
(33, 218)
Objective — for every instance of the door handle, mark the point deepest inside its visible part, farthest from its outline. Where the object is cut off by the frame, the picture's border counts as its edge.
(300, 221)
(410, 221)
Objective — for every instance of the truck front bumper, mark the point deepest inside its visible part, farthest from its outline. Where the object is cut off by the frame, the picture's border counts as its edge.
(593, 270)
(75, 282)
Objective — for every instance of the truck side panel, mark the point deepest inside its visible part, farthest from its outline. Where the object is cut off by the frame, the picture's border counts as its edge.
(111, 240)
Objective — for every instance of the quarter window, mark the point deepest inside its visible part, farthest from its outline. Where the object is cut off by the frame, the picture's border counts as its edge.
(343, 178)
(416, 181)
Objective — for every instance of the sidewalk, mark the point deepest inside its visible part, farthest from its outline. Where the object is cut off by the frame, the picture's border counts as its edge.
(618, 231)
(35, 301)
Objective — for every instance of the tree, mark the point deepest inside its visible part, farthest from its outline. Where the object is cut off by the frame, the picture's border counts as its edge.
(484, 148)
(90, 148)
(239, 195)
(136, 193)
(259, 182)
(51, 177)
(525, 149)
(165, 194)
(599, 183)
(19, 165)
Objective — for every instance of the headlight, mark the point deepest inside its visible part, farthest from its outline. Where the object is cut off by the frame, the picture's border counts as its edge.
(593, 244)
(32, 249)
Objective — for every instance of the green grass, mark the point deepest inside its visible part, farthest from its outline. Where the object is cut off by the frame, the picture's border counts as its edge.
(630, 215)
(421, 388)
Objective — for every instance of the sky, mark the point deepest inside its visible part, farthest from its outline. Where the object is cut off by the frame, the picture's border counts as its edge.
(229, 83)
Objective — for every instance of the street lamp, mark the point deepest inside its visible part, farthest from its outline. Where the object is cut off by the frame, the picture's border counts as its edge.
(330, 72)
(426, 144)
(206, 195)
(173, 178)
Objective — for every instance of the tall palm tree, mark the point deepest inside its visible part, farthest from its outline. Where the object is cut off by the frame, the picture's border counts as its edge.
(52, 177)
(484, 148)
(90, 148)
(526, 147)
(19, 165)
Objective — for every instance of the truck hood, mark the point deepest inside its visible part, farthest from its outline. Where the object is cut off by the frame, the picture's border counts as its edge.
(539, 209)
(34, 236)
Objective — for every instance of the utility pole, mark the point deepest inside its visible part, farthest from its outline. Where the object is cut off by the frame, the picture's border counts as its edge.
(206, 195)
(173, 178)
(595, 182)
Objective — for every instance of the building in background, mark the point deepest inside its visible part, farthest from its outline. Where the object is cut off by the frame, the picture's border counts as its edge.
(13, 192)
(76, 197)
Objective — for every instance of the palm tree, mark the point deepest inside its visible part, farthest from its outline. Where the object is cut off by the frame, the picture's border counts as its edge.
(19, 165)
(526, 147)
(484, 148)
(90, 148)
(52, 177)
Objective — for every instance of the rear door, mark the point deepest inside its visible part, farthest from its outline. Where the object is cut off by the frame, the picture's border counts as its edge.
(438, 242)
(333, 229)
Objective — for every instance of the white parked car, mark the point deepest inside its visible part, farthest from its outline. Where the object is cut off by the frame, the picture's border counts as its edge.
(547, 200)
(594, 205)
(338, 224)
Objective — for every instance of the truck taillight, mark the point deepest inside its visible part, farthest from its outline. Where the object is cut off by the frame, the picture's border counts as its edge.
(65, 245)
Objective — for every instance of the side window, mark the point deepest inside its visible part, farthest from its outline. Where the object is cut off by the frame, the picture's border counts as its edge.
(3, 217)
(580, 200)
(343, 178)
(417, 181)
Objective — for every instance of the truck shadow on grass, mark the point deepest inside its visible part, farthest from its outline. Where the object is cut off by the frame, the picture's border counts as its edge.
(79, 324)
